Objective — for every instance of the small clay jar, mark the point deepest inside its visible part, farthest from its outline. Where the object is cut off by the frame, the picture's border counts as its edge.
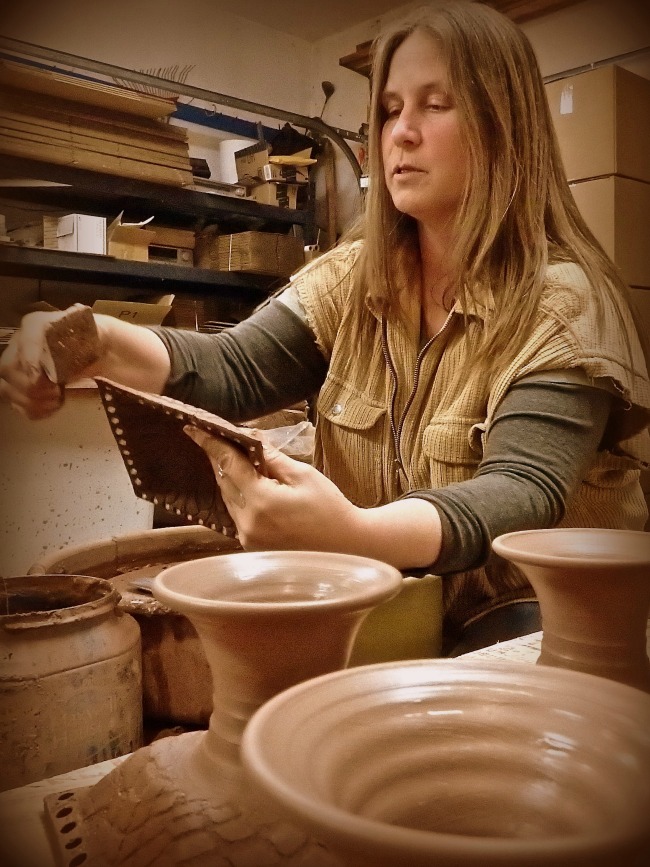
(70, 676)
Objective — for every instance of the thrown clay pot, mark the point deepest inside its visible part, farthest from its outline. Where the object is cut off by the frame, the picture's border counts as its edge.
(176, 681)
(70, 676)
(267, 621)
(455, 763)
(593, 587)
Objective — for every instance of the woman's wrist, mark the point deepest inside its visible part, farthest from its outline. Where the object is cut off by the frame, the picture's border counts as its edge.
(405, 533)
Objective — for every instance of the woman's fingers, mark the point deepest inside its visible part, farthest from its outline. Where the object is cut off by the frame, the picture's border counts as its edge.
(35, 399)
(23, 384)
(232, 469)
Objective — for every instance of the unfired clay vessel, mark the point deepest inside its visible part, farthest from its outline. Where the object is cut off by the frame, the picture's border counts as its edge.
(70, 676)
(593, 587)
(176, 681)
(452, 763)
(267, 621)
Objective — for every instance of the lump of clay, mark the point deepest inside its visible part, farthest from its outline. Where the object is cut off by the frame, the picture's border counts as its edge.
(71, 343)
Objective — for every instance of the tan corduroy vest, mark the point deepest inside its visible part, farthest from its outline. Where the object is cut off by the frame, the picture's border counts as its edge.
(367, 427)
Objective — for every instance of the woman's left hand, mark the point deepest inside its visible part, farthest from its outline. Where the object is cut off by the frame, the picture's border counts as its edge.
(293, 507)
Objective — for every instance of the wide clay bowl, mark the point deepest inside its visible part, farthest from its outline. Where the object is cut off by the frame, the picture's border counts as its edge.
(295, 613)
(276, 582)
(451, 762)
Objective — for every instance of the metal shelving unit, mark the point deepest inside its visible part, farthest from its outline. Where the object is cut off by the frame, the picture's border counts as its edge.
(71, 188)
(99, 193)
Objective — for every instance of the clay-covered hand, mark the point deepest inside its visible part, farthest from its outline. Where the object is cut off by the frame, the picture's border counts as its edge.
(48, 350)
(294, 507)
(23, 382)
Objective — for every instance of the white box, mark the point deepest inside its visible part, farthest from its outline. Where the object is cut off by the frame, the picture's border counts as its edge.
(81, 233)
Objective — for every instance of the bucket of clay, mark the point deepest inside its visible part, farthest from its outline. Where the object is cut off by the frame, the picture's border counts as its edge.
(70, 676)
(176, 679)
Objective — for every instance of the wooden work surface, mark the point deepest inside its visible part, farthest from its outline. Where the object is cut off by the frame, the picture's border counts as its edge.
(24, 838)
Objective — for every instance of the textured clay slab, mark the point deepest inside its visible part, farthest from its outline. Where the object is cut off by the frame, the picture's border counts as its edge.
(71, 344)
(164, 464)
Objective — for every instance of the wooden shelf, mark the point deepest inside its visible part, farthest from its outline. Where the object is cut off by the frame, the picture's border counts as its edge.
(31, 185)
(39, 263)
(106, 195)
(360, 60)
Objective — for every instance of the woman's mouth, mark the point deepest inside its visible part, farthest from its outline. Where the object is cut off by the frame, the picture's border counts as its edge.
(405, 170)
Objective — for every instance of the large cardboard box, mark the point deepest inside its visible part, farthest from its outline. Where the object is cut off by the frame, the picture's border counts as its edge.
(267, 253)
(129, 240)
(602, 120)
(641, 299)
(617, 210)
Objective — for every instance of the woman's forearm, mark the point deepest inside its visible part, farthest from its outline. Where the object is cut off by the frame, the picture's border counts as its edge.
(405, 533)
(131, 355)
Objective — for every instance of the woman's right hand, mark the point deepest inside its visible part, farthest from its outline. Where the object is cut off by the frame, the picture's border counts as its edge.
(23, 382)
(125, 353)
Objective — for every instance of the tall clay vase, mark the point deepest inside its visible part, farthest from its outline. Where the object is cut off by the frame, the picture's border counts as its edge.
(267, 621)
(593, 587)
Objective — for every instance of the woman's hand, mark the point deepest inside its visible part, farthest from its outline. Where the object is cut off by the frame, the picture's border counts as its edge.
(296, 507)
(23, 383)
(126, 353)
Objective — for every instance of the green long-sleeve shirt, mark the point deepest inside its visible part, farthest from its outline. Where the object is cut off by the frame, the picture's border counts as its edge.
(543, 436)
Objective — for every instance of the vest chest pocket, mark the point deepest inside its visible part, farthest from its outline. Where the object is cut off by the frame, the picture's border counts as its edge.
(352, 436)
(447, 452)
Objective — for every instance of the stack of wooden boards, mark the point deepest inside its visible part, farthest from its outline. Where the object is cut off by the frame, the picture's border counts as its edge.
(66, 120)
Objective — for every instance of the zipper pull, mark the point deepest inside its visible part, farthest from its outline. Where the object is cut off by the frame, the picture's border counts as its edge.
(397, 469)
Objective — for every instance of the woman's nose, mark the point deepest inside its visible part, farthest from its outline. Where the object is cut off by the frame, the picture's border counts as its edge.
(405, 129)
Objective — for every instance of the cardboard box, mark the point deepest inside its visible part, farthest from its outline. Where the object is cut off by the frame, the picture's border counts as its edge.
(602, 120)
(129, 240)
(79, 233)
(268, 253)
(137, 312)
(641, 299)
(255, 163)
(250, 162)
(617, 210)
(288, 173)
(274, 193)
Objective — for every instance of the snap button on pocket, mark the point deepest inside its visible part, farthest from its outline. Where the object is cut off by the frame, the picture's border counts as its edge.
(337, 409)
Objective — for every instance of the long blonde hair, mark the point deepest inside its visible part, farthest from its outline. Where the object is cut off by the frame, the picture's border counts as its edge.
(517, 213)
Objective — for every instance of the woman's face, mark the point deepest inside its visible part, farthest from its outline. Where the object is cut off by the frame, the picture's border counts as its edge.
(424, 152)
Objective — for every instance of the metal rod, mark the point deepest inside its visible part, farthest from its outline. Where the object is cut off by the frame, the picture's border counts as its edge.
(608, 61)
(315, 124)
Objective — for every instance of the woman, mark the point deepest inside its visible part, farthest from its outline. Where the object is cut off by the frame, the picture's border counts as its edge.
(476, 363)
